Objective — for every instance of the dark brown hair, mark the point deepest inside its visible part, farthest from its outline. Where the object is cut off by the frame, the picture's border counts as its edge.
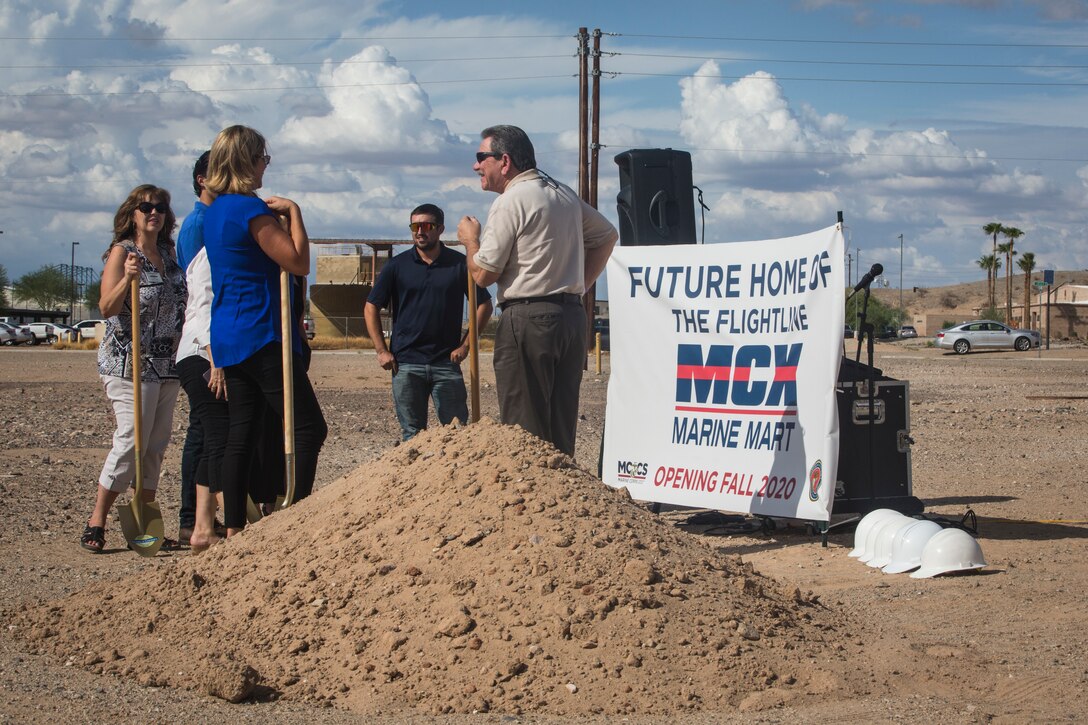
(124, 223)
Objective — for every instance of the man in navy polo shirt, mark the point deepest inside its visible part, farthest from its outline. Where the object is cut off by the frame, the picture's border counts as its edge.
(425, 289)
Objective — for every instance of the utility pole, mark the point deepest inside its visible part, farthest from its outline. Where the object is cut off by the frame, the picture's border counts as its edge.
(901, 280)
(583, 113)
(72, 277)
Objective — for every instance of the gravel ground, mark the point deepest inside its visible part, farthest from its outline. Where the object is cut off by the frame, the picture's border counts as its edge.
(1000, 433)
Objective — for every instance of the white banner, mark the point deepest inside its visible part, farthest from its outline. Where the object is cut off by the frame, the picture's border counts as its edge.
(724, 364)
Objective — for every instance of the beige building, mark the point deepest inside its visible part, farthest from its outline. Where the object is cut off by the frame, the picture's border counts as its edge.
(1068, 311)
(345, 274)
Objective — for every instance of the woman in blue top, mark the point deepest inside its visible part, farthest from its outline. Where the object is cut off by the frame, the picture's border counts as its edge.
(247, 241)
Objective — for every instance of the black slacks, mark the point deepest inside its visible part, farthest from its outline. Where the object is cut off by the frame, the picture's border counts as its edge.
(251, 386)
(540, 350)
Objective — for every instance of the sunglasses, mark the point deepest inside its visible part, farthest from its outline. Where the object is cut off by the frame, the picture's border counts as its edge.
(265, 158)
(481, 155)
(147, 206)
(422, 226)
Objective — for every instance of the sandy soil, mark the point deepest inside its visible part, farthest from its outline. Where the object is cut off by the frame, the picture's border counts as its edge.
(521, 587)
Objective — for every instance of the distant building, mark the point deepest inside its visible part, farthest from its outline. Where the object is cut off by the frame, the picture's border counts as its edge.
(345, 273)
(1068, 311)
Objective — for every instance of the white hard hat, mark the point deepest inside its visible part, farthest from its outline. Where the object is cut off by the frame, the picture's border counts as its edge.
(874, 534)
(882, 549)
(908, 544)
(950, 550)
(862, 530)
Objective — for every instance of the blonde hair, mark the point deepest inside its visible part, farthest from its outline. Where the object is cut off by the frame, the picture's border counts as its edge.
(232, 165)
(124, 221)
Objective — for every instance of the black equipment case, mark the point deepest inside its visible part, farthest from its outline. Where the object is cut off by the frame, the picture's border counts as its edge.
(874, 460)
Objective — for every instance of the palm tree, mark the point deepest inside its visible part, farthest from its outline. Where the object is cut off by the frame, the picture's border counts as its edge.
(1027, 266)
(990, 263)
(984, 263)
(1012, 234)
(993, 229)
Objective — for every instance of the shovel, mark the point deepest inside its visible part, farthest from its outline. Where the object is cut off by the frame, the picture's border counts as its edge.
(141, 521)
(287, 323)
(253, 512)
(473, 351)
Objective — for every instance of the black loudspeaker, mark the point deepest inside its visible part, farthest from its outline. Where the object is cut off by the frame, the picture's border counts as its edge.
(656, 204)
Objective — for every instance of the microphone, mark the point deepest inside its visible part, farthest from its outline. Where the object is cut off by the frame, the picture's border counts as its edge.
(875, 271)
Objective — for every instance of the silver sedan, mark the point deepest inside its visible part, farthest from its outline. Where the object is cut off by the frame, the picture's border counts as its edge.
(986, 335)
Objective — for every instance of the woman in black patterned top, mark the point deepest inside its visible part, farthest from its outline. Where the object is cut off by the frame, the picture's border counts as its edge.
(142, 249)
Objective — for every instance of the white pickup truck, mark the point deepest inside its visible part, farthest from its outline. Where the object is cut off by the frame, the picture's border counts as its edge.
(90, 329)
(49, 332)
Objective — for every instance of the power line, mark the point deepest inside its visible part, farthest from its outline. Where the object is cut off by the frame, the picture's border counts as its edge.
(1039, 84)
(300, 38)
(432, 38)
(49, 94)
(275, 65)
(852, 62)
(731, 59)
(315, 86)
(908, 43)
(860, 155)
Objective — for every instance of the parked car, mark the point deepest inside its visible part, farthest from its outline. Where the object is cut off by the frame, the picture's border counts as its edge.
(907, 331)
(986, 335)
(64, 332)
(6, 335)
(887, 333)
(39, 332)
(50, 332)
(308, 327)
(848, 332)
(88, 329)
(17, 334)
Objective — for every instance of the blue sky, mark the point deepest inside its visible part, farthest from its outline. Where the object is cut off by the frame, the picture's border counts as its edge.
(925, 118)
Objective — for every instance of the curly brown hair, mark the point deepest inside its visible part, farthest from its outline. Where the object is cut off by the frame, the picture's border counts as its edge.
(124, 224)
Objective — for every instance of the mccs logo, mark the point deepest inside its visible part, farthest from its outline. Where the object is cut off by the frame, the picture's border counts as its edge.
(632, 470)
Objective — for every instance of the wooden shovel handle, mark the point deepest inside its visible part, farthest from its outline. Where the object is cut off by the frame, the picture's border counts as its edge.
(473, 351)
(137, 393)
(287, 326)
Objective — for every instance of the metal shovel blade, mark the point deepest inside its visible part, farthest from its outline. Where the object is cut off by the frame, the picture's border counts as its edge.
(253, 511)
(141, 523)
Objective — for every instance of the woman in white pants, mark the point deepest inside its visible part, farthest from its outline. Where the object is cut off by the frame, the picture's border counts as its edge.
(142, 249)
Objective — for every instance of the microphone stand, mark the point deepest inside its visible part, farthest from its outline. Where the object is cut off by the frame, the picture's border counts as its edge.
(865, 330)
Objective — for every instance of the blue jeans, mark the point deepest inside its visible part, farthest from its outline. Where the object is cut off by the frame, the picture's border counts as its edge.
(413, 384)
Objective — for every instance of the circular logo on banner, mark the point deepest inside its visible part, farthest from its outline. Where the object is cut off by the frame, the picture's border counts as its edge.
(815, 478)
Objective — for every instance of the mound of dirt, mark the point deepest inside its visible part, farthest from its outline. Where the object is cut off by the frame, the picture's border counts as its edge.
(472, 569)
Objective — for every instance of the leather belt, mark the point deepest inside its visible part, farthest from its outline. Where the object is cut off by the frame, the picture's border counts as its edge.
(560, 298)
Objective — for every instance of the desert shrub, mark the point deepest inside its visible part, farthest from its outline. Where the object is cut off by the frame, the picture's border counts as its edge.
(949, 300)
(81, 345)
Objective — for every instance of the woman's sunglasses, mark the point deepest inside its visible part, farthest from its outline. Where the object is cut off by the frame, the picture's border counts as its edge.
(147, 206)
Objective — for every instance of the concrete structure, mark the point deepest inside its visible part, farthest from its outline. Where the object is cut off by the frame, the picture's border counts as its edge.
(345, 274)
(1068, 311)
